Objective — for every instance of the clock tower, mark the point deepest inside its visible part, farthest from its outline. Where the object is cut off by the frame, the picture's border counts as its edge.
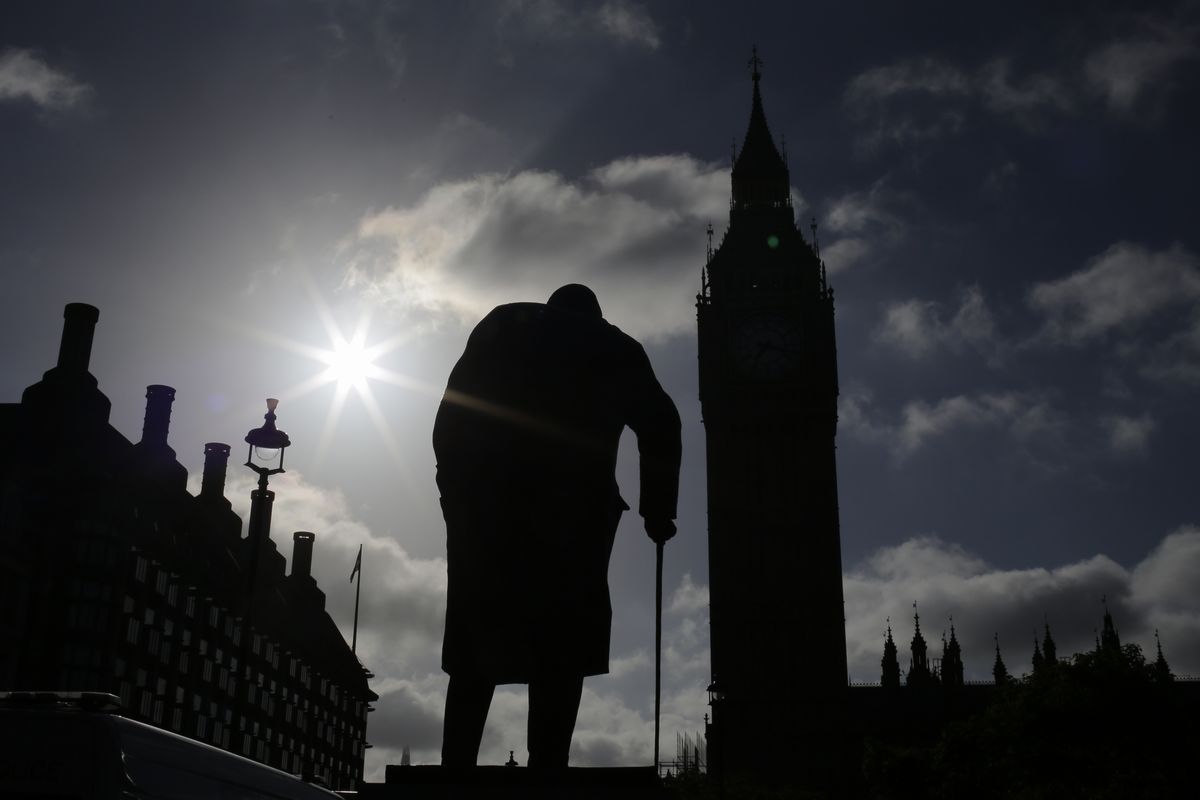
(768, 390)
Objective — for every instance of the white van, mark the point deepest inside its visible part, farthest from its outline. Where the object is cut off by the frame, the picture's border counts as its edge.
(72, 746)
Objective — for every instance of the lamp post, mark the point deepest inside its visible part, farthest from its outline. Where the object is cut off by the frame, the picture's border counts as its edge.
(264, 457)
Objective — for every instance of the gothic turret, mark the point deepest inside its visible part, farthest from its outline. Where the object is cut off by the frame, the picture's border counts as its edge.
(999, 671)
(1049, 649)
(918, 665)
(1110, 642)
(890, 663)
(952, 665)
(1162, 671)
(1038, 663)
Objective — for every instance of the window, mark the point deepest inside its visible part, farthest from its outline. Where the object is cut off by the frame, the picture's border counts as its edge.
(213, 614)
(139, 570)
(149, 616)
(131, 634)
(127, 606)
(160, 582)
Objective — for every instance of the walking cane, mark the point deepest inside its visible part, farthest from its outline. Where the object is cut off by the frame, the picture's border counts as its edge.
(657, 649)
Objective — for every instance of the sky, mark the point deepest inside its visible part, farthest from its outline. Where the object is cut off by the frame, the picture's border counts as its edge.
(1005, 195)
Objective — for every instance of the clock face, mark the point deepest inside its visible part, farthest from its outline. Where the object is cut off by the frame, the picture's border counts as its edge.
(768, 346)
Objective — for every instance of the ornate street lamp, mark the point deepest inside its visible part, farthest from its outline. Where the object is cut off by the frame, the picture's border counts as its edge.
(266, 446)
(265, 457)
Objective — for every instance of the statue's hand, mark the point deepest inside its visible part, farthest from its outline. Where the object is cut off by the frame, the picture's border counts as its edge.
(660, 529)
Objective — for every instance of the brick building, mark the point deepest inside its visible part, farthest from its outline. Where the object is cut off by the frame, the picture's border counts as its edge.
(113, 577)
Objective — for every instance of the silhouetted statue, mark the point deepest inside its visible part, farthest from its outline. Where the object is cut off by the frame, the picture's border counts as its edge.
(526, 442)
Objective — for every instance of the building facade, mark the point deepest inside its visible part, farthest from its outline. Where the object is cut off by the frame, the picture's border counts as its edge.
(114, 578)
(768, 390)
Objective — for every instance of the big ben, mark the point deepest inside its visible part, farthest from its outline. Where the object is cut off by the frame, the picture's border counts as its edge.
(768, 391)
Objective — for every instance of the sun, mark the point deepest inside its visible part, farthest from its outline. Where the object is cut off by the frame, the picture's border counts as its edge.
(350, 362)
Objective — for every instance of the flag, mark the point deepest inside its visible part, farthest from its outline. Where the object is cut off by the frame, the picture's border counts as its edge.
(357, 564)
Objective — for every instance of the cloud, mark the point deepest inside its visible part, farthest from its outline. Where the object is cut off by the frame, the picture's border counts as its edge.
(1023, 416)
(845, 253)
(1126, 71)
(1123, 286)
(24, 76)
(909, 76)
(918, 327)
(922, 99)
(945, 580)
(862, 220)
(622, 21)
(632, 229)
(689, 598)
(1128, 435)
(1024, 101)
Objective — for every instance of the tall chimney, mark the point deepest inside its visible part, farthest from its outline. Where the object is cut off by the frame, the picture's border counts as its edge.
(158, 415)
(76, 348)
(302, 549)
(216, 461)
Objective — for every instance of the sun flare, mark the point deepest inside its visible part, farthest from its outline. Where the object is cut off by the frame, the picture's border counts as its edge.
(350, 363)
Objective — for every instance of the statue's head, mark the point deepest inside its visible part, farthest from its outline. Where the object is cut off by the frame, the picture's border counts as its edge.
(577, 299)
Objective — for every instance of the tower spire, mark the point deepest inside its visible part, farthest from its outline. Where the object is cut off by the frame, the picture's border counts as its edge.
(760, 175)
(999, 671)
(890, 679)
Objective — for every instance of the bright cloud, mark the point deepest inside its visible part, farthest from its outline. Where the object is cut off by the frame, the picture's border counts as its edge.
(1125, 285)
(632, 229)
(944, 581)
(918, 327)
(24, 76)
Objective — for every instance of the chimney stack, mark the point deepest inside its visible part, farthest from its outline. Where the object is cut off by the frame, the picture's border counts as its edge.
(302, 549)
(158, 415)
(216, 461)
(75, 350)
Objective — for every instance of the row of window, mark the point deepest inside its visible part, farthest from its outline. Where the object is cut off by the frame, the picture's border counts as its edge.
(219, 666)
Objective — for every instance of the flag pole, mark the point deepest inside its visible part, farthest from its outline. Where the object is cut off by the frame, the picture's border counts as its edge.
(357, 591)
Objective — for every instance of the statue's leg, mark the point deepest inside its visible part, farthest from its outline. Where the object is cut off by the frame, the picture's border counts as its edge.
(553, 705)
(467, 702)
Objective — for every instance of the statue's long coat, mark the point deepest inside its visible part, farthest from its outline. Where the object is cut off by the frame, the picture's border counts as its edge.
(526, 442)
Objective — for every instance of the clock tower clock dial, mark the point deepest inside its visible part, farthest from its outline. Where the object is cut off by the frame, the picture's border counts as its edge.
(768, 390)
(767, 347)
